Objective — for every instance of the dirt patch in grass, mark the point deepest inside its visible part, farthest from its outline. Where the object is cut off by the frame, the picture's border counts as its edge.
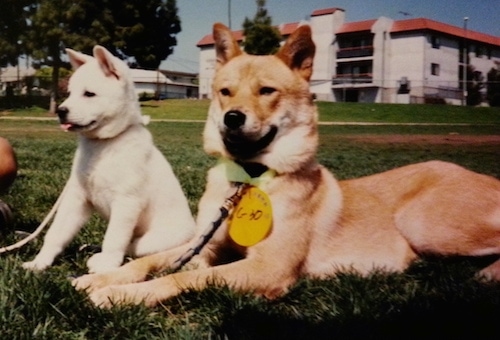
(425, 139)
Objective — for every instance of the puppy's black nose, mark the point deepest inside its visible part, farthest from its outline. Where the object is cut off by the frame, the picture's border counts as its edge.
(234, 119)
(62, 112)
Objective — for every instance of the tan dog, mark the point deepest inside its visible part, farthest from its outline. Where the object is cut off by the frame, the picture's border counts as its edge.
(262, 117)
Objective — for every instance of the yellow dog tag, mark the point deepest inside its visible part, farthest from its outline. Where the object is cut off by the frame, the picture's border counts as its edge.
(252, 218)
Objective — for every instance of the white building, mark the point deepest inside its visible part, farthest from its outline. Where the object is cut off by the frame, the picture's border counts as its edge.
(382, 60)
(15, 77)
(165, 84)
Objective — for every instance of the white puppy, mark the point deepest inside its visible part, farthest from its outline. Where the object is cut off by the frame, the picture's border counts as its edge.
(117, 171)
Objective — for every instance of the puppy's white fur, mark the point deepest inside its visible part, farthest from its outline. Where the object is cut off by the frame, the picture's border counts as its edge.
(116, 171)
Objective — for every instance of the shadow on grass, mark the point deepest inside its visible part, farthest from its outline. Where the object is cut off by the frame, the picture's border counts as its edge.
(434, 299)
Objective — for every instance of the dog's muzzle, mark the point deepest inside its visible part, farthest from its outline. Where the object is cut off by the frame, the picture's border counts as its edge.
(66, 125)
(239, 144)
(62, 113)
(234, 120)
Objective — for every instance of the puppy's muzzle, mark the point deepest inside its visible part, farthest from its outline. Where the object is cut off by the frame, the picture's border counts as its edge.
(62, 113)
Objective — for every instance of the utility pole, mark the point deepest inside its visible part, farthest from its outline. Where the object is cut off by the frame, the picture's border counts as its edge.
(464, 70)
(229, 12)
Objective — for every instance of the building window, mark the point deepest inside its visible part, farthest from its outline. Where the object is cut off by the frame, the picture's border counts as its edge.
(355, 46)
(480, 51)
(461, 53)
(435, 41)
(404, 86)
(435, 69)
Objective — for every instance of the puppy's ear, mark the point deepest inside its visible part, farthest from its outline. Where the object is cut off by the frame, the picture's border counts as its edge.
(106, 61)
(77, 59)
(298, 52)
(226, 47)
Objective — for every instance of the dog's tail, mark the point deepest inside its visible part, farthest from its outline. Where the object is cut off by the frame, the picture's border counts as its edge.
(38, 230)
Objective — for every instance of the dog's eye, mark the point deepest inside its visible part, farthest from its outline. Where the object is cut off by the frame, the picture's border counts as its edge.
(266, 90)
(225, 92)
(89, 94)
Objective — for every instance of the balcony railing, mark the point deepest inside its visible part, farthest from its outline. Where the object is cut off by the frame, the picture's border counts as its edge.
(350, 78)
(355, 52)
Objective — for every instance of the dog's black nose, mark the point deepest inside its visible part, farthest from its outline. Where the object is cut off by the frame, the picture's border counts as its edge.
(234, 119)
(62, 112)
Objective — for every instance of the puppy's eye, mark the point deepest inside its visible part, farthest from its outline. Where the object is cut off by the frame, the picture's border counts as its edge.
(225, 92)
(266, 90)
(89, 94)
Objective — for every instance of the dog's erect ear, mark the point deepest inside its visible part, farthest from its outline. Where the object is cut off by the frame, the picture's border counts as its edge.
(226, 47)
(106, 61)
(298, 51)
(77, 59)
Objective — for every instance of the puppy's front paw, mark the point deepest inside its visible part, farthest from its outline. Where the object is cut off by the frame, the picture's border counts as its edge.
(36, 266)
(104, 262)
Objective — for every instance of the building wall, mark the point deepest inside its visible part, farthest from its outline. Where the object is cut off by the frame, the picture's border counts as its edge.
(441, 67)
(483, 62)
(207, 71)
(174, 91)
(326, 51)
(412, 57)
(382, 63)
(170, 91)
(407, 53)
(407, 57)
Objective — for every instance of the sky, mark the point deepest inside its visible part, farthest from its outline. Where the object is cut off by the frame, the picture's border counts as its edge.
(198, 16)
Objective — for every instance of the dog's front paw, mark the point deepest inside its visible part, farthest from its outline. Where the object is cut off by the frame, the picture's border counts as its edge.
(492, 272)
(91, 282)
(122, 295)
(104, 262)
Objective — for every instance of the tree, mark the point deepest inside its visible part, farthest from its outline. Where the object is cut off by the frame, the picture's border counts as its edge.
(260, 36)
(493, 87)
(13, 25)
(143, 30)
(146, 30)
(475, 82)
(44, 77)
(49, 33)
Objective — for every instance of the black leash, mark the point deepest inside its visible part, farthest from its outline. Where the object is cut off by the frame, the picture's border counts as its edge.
(225, 210)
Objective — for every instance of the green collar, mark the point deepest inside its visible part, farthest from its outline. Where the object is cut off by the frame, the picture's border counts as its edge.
(236, 173)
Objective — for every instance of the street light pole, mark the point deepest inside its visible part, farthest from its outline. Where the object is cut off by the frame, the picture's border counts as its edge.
(229, 12)
(18, 85)
(464, 70)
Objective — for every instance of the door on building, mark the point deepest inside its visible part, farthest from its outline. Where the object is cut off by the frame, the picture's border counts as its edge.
(352, 96)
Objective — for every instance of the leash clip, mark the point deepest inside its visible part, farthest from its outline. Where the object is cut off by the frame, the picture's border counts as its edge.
(224, 212)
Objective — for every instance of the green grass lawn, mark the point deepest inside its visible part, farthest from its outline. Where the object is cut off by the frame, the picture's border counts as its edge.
(435, 298)
(328, 112)
(401, 113)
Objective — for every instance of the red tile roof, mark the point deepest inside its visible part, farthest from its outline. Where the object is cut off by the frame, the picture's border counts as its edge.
(399, 26)
(285, 30)
(356, 26)
(326, 11)
(209, 39)
(419, 24)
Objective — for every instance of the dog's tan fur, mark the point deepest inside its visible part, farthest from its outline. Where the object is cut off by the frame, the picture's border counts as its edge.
(319, 225)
